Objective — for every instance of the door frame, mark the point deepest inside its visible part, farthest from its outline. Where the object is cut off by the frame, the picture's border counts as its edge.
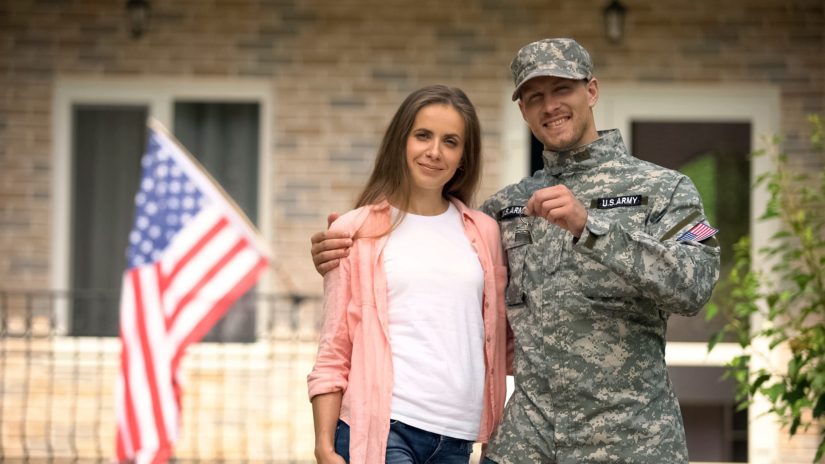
(621, 103)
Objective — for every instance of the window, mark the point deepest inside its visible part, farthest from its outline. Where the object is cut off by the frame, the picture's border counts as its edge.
(536, 150)
(710, 153)
(108, 143)
(224, 138)
(106, 133)
(716, 431)
(714, 155)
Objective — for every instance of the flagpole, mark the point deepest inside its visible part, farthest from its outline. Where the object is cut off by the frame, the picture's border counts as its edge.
(274, 264)
(159, 127)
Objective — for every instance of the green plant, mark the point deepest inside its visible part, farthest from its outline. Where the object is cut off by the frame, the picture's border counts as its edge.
(786, 298)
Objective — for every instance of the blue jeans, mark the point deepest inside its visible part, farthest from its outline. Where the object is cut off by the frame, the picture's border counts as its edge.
(409, 445)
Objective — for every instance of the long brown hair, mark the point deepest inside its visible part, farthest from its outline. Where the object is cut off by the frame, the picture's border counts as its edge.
(390, 178)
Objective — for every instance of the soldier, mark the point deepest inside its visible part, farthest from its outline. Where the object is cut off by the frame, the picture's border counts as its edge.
(601, 249)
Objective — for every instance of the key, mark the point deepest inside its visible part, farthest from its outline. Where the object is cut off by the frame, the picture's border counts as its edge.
(523, 231)
(523, 235)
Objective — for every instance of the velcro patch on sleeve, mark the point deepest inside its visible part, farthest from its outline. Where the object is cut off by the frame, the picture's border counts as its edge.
(698, 233)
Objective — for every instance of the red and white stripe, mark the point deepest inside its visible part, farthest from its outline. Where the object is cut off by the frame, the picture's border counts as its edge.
(166, 306)
(702, 231)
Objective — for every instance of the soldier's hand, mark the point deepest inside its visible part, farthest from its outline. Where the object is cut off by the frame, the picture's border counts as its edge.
(558, 205)
(329, 247)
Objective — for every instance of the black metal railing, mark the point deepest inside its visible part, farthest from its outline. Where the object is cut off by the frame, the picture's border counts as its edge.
(244, 399)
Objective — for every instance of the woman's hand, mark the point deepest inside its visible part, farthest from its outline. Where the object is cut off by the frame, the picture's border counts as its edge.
(328, 457)
(325, 410)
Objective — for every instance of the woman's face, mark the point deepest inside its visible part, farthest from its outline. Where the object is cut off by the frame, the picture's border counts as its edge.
(434, 148)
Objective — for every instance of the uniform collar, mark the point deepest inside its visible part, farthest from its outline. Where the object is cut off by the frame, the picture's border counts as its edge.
(607, 146)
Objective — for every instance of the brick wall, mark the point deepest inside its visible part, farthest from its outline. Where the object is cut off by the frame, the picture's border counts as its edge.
(340, 68)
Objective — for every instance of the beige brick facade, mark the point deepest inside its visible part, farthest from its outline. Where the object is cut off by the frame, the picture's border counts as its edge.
(338, 69)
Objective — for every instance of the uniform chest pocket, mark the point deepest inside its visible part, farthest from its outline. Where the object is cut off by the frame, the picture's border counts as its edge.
(516, 240)
(596, 280)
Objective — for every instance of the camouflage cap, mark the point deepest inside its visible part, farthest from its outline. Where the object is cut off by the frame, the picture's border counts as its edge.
(550, 57)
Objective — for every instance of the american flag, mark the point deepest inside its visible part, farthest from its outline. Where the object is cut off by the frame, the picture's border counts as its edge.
(697, 233)
(191, 255)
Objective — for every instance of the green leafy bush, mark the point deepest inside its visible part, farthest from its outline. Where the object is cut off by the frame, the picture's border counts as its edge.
(787, 301)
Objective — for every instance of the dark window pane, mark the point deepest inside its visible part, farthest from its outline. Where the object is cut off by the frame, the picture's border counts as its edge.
(715, 431)
(715, 156)
(107, 145)
(224, 138)
(536, 150)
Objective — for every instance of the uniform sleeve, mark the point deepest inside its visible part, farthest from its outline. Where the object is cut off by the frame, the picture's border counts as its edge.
(488, 207)
(678, 276)
(511, 195)
(332, 363)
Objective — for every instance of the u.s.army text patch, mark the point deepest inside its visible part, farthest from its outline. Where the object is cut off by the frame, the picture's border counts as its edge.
(618, 202)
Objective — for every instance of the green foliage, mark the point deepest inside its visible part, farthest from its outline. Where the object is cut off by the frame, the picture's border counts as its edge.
(788, 297)
(702, 171)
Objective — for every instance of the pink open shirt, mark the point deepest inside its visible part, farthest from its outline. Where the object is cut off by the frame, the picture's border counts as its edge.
(354, 353)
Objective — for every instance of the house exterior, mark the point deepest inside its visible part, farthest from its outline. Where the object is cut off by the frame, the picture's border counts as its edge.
(284, 101)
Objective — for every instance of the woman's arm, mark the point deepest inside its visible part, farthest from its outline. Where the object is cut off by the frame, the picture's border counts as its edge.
(325, 411)
(329, 377)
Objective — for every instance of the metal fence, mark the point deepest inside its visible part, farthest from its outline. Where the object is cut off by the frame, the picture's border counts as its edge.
(242, 401)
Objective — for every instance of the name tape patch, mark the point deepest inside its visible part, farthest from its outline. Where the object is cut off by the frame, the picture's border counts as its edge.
(511, 212)
(618, 202)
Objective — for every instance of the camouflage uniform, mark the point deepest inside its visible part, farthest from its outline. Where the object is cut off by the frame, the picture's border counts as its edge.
(590, 316)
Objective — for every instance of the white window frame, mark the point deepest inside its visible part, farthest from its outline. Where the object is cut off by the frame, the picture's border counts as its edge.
(622, 103)
(158, 95)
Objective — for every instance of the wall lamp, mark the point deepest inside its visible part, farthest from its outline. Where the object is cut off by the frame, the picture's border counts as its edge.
(138, 14)
(614, 14)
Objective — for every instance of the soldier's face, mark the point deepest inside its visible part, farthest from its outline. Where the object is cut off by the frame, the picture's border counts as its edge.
(559, 111)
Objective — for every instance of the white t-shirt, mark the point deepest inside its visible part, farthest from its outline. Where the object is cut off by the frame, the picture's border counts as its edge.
(435, 285)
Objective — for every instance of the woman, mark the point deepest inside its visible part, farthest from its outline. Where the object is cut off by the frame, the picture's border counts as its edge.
(412, 358)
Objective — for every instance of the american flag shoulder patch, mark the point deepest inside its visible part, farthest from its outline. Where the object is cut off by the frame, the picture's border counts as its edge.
(698, 233)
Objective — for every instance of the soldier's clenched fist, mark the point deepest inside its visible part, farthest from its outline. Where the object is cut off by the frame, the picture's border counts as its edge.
(558, 205)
